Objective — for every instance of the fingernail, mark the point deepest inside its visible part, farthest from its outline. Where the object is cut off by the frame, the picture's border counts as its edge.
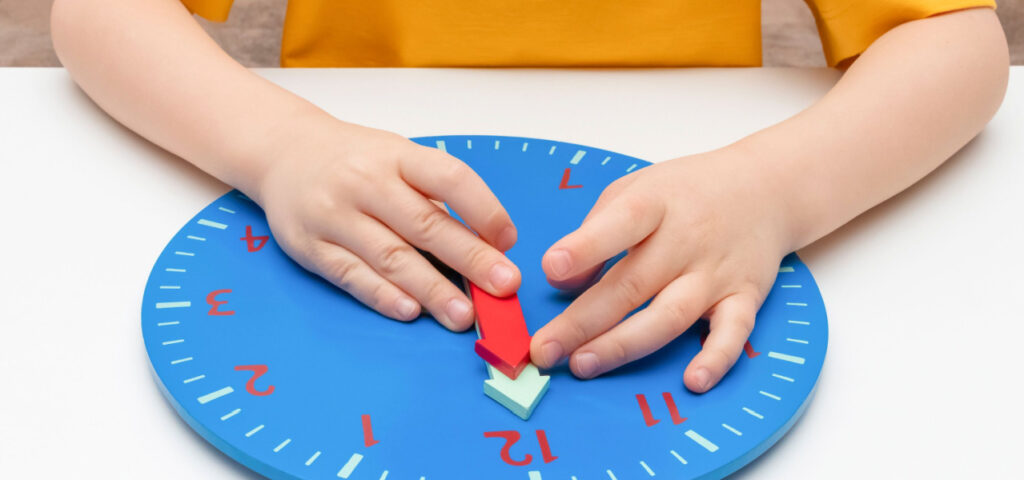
(406, 308)
(587, 364)
(550, 354)
(559, 261)
(501, 275)
(506, 239)
(458, 312)
(703, 377)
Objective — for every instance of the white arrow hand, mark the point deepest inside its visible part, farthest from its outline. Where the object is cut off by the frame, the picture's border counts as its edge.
(521, 395)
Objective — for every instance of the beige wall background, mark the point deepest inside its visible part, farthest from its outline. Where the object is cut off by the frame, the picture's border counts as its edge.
(253, 33)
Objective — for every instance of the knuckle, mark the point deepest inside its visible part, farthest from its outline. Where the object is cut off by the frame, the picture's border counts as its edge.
(617, 187)
(636, 206)
(631, 289)
(304, 248)
(679, 313)
(617, 353)
(437, 291)
(451, 172)
(497, 219)
(359, 171)
(744, 315)
(717, 358)
(320, 201)
(393, 258)
(342, 274)
(746, 324)
(378, 297)
(429, 222)
(478, 257)
(576, 332)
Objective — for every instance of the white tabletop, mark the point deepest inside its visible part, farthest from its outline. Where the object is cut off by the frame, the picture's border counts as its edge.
(924, 294)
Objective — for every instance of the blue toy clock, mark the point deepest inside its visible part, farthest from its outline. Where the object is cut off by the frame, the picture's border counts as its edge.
(295, 379)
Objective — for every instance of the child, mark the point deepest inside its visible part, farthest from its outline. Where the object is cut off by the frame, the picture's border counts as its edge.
(705, 233)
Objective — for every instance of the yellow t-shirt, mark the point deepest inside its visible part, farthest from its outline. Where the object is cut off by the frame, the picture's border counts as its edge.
(564, 33)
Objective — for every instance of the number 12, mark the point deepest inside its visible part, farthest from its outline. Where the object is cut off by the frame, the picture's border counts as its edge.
(511, 437)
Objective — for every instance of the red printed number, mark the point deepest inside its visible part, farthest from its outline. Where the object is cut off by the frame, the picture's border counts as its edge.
(215, 304)
(257, 372)
(511, 437)
(254, 242)
(368, 439)
(649, 419)
(564, 185)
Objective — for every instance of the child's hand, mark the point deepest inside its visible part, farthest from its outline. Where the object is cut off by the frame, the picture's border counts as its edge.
(704, 238)
(351, 204)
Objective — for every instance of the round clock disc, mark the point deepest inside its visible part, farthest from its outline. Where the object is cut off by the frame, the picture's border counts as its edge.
(295, 379)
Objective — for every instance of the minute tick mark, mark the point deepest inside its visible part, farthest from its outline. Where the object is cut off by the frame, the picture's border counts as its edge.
(313, 458)
(254, 431)
(282, 445)
(212, 224)
(350, 466)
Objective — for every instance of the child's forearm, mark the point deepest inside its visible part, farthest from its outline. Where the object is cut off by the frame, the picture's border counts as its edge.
(150, 66)
(348, 203)
(916, 96)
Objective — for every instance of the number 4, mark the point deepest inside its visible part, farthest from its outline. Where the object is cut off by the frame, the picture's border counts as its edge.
(254, 243)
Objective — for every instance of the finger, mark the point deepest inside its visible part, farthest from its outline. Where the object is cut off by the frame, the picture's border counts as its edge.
(579, 282)
(731, 322)
(626, 286)
(670, 314)
(620, 224)
(349, 273)
(429, 227)
(444, 177)
(399, 263)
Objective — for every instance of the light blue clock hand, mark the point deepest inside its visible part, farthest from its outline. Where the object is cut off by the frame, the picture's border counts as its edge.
(521, 395)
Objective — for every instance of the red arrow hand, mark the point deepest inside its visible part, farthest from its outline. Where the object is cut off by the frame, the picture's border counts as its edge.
(565, 181)
(504, 340)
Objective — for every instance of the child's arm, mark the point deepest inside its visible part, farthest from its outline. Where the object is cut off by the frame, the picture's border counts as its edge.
(706, 233)
(344, 201)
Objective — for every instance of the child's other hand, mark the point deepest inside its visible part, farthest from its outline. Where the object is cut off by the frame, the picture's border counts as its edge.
(351, 203)
(704, 235)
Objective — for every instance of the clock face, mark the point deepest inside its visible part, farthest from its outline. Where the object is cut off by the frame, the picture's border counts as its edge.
(294, 378)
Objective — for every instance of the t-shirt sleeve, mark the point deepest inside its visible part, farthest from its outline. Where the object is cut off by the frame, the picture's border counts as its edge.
(212, 10)
(848, 27)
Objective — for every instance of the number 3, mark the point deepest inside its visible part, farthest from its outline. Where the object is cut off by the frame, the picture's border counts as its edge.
(214, 303)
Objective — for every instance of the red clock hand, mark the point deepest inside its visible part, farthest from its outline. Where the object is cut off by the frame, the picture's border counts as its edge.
(504, 340)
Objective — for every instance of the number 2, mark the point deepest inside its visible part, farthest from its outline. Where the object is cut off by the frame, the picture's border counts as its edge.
(257, 372)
